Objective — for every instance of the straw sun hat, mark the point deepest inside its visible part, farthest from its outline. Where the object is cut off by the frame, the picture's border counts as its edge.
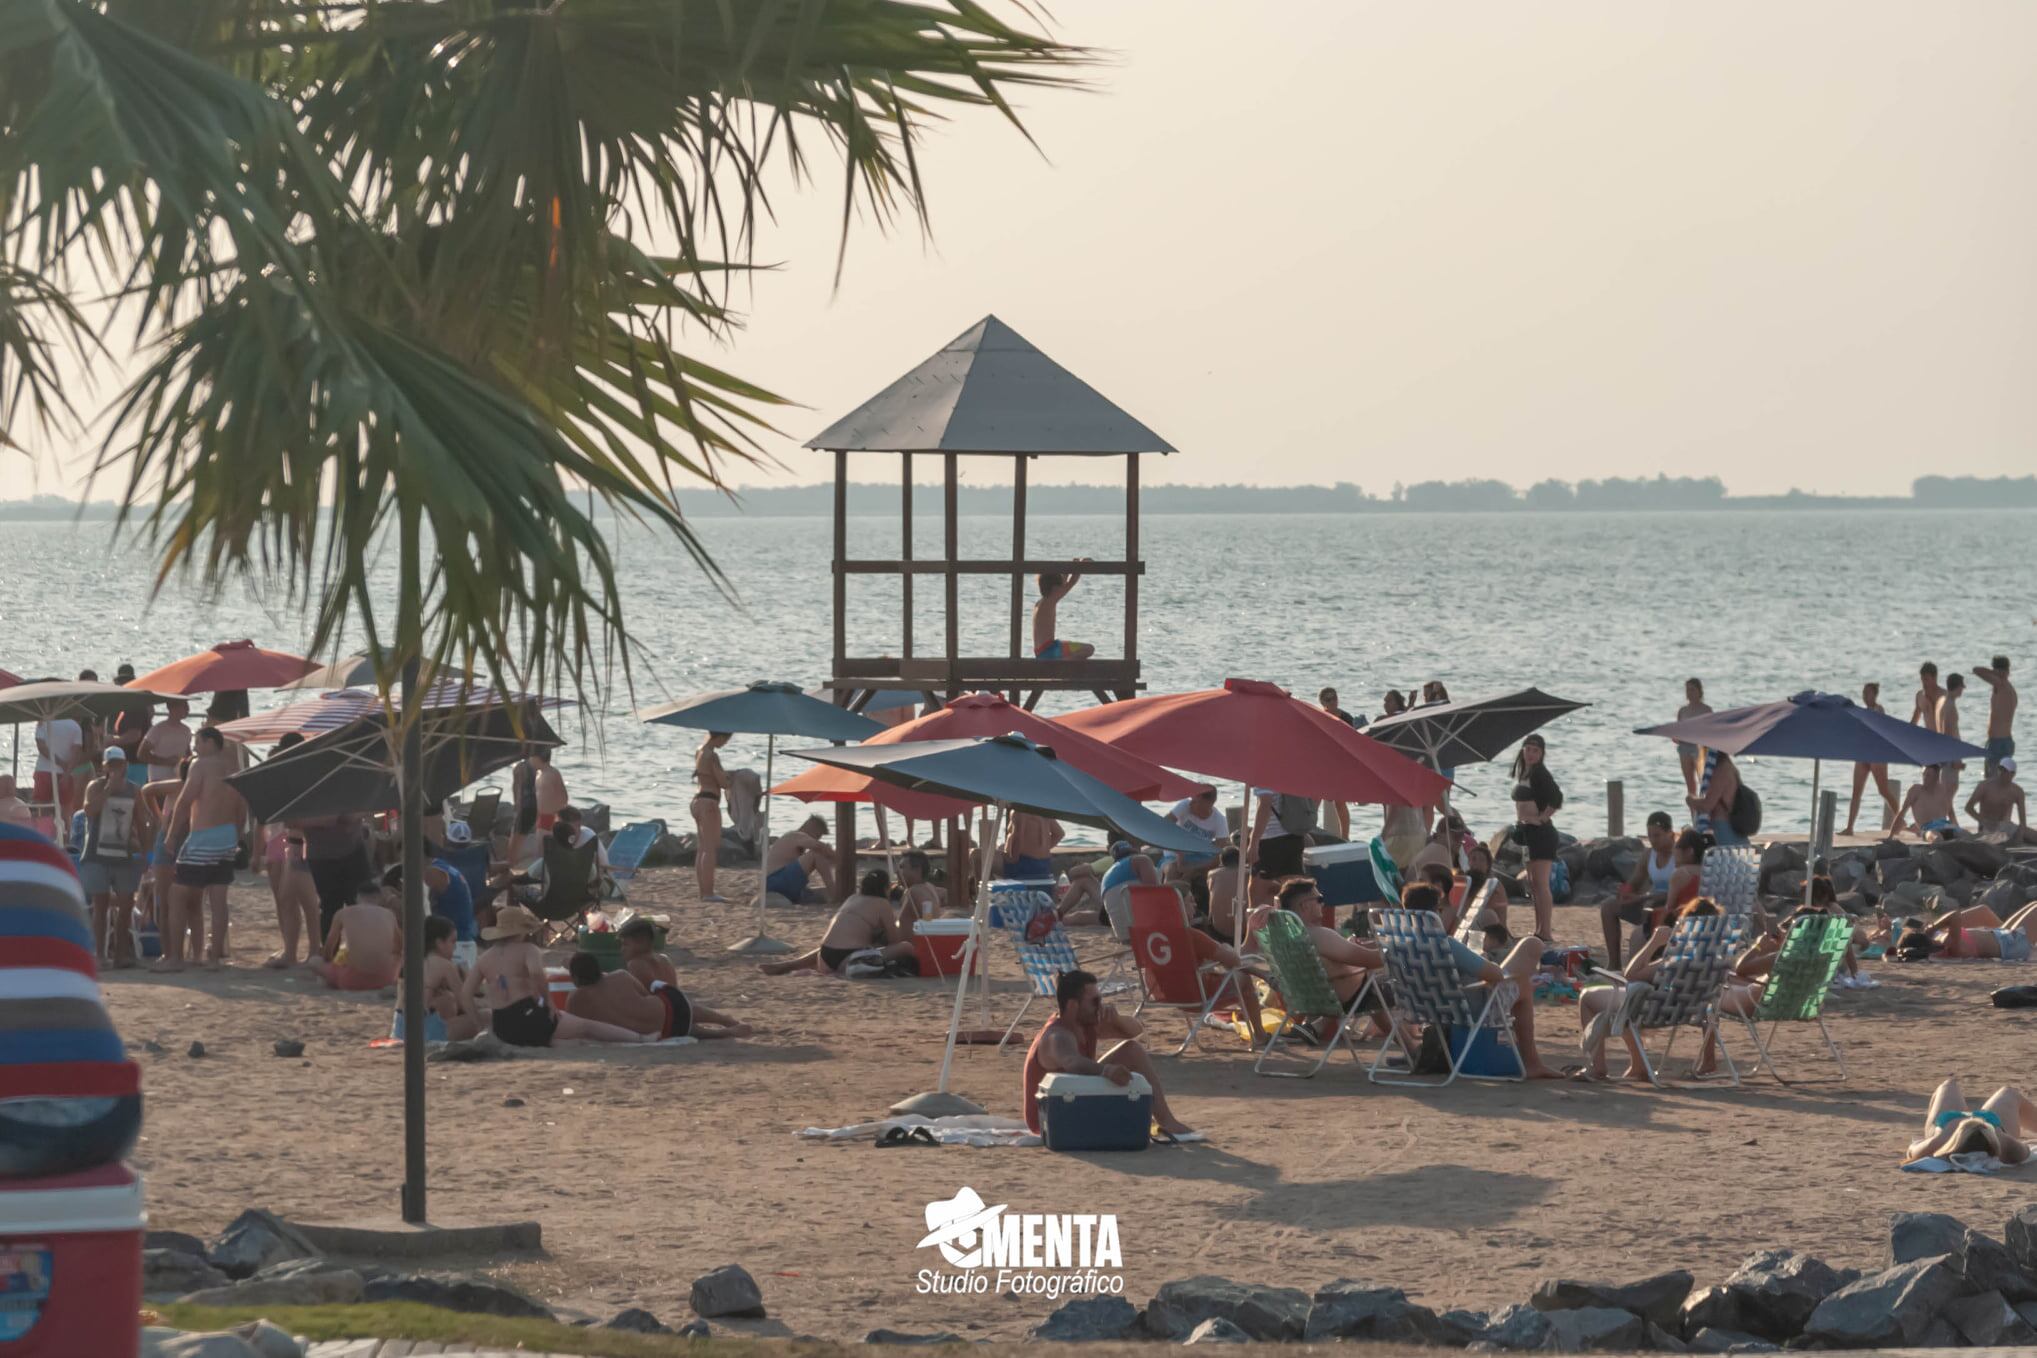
(513, 921)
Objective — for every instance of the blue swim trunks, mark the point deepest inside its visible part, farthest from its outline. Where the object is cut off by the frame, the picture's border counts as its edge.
(1997, 749)
(788, 881)
(1030, 869)
(1053, 650)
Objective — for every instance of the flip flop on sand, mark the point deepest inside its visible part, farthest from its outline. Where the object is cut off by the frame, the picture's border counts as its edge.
(1161, 1138)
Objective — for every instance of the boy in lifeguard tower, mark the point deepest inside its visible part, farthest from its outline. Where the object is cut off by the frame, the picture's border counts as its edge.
(1046, 646)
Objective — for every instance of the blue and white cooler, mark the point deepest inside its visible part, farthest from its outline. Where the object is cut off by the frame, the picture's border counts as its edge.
(1089, 1113)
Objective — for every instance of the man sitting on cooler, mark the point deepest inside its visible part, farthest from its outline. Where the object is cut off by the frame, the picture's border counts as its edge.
(1067, 1046)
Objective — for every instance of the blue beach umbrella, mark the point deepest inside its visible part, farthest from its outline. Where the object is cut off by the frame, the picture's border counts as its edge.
(1816, 726)
(769, 710)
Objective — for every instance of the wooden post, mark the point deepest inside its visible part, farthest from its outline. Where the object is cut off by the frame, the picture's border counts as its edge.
(1131, 558)
(953, 543)
(1616, 808)
(1823, 827)
(905, 543)
(845, 812)
(1018, 555)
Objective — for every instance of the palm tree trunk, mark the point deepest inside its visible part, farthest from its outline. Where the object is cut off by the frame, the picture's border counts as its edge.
(410, 776)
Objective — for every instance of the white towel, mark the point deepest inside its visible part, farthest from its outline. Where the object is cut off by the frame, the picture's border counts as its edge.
(977, 1129)
(1966, 1162)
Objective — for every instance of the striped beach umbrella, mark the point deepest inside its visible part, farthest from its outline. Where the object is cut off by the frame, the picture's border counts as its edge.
(332, 710)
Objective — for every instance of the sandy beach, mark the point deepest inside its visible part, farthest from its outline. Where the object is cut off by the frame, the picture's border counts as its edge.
(648, 1167)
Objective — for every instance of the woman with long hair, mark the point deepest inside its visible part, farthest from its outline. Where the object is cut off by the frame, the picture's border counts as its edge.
(1537, 799)
(710, 785)
(290, 884)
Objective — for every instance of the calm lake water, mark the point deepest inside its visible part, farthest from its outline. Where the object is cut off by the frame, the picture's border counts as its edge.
(1613, 610)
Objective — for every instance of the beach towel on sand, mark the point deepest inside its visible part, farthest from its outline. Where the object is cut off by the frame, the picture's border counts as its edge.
(979, 1129)
(1966, 1162)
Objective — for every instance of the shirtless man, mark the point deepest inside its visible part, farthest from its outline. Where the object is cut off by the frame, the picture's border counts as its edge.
(1694, 705)
(1997, 805)
(1927, 807)
(1067, 1045)
(371, 934)
(797, 856)
(1870, 698)
(2001, 710)
(167, 742)
(1948, 725)
(13, 810)
(658, 1012)
(204, 839)
(1047, 644)
(1028, 854)
(509, 982)
(637, 941)
(1924, 712)
(864, 921)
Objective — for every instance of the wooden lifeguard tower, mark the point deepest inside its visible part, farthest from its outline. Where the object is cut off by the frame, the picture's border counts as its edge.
(988, 393)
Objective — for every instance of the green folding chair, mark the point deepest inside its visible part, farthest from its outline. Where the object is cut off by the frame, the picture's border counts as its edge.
(1797, 986)
(1305, 991)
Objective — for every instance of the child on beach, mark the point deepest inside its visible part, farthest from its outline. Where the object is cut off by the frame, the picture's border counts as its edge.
(1054, 588)
(364, 948)
(447, 1017)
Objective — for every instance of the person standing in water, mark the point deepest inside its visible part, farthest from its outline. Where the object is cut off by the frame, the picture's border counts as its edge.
(1870, 698)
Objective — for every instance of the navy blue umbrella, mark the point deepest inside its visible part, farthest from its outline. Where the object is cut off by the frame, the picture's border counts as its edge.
(1816, 726)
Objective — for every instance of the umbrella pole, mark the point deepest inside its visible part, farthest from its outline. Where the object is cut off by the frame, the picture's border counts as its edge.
(761, 944)
(939, 1102)
(1811, 854)
(410, 782)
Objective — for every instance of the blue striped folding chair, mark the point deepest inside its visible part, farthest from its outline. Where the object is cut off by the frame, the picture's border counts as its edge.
(1429, 991)
(1684, 991)
(1043, 948)
(626, 854)
(1730, 875)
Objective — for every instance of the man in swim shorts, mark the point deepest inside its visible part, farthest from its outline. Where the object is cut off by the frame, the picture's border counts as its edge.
(1028, 854)
(662, 1011)
(1054, 588)
(797, 856)
(2001, 711)
(1997, 805)
(204, 840)
(1927, 807)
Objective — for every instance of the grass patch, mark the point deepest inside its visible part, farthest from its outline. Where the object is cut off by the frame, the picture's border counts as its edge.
(409, 1320)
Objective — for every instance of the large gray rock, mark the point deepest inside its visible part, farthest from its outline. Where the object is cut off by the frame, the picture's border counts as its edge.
(1711, 1308)
(1978, 857)
(1658, 1298)
(1896, 873)
(1659, 1340)
(1587, 1328)
(1776, 1292)
(1353, 1310)
(1730, 1341)
(294, 1282)
(727, 1291)
(1089, 1320)
(1519, 1327)
(1942, 869)
(2020, 1235)
(1217, 1330)
(1894, 1307)
(636, 1320)
(910, 1339)
(253, 1241)
(475, 1296)
(172, 1273)
(2003, 897)
(1990, 1266)
(1987, 1320)
(1261, 1312)
(1922, 1235)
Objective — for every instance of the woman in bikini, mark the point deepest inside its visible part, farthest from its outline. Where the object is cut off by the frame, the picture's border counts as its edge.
(711, 784)
(1537, 799)
(1997, 1127)
(290, 884)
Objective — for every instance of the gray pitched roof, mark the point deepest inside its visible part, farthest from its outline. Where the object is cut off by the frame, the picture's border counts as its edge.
(989, 391)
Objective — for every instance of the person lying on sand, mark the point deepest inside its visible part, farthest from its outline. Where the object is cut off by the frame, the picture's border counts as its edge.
(509, 981)
(658, 1012)
(1996, 1128)
(1599, 999)
(1975, 932)
(364, 948)
(1067, 1045)
(448, 1018)
(865, 923)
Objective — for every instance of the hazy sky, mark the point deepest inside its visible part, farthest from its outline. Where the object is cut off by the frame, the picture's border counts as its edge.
(1788, 244)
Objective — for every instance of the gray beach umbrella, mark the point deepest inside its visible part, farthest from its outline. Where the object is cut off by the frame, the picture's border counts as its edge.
(1475, 731)
(55, 699)
(353, 770)
(769, 710)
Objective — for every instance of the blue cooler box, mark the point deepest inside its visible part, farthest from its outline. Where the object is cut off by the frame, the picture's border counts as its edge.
(1343, 873)
(1089, 1113)
(1491, 1054)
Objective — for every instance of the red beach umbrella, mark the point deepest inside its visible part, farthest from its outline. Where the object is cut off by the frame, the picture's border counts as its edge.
(227, 666)
(8, 679)
(1256, 733)
(986, 715)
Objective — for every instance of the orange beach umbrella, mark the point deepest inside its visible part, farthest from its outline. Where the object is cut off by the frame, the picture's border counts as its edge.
(227, 666)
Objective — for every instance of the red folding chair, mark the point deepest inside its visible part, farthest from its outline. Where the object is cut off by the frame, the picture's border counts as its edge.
(1174, 979)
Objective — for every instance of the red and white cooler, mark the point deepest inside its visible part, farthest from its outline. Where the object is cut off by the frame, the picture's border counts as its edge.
(70, 1265)
(938, 943)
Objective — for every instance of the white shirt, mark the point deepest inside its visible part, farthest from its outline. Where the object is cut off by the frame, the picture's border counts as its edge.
(1274, 829)
(66, 742)
(167, 735)
(600, 849)
(1214, 824)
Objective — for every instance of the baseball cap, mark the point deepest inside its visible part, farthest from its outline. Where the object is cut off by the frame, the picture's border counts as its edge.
(114, 752)
(2008, 763)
